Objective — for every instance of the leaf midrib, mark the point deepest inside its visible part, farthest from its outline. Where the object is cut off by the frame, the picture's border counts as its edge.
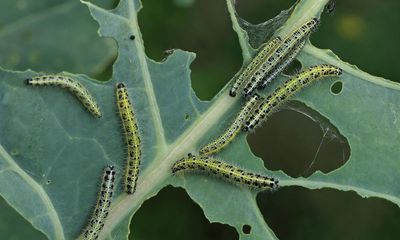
(149, 89)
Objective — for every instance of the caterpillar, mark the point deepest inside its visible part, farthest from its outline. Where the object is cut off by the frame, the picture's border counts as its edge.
(132, 138)
(254, 64)
(72, 86)
(289, 88)
(230, 134)
(226, 171)
(279, 53)
(96, 222)
(282, 66)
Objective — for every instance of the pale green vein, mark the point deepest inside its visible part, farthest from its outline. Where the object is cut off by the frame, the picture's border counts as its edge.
(102, 10)
(155, 111)
(242, 34)
(41, 193)
(159, 170)
(303, 12)
(131, 21)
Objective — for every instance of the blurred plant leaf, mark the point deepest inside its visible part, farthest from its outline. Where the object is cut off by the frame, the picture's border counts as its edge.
(52, 36)
(58, 162)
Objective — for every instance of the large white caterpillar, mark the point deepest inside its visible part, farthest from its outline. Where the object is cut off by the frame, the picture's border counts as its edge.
(279, 54)
(100, 212)
(132, 138)
(253, 66)
(226, 171)
(230, 134)
(288, 89)
(72, 86)
(282, 66)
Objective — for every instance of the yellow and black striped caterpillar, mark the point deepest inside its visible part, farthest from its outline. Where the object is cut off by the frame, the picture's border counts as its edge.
(100, 212)
(72, 86)
(280, 53)
(253, 66)
(289, 88)
(230, 134)
(132, 138)
(282, 66)
(226, 171)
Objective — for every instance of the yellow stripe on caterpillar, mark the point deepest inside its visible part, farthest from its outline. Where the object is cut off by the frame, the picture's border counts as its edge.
(282, 65)
(288, 45)
(100, 212)
(72, 86)
(288, 89)
(229, 135)
(226, 171)
(132, 138)
(255, 63)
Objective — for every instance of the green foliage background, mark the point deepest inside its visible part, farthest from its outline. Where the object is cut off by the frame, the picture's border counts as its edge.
(358, 32)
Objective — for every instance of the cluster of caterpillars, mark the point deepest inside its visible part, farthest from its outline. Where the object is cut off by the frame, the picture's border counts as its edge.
(269, 62)
(132, 138)
(267, 65)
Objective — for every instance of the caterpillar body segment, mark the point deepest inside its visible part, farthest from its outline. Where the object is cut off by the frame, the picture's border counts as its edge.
(255, 63)
(73, 86)
(231, 132)
(100, 213)
(282, 66)
(132, 138)
(224, 170)
(279, 54)
(289, 88)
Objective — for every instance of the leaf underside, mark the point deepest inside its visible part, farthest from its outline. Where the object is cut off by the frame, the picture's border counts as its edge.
(52, 151)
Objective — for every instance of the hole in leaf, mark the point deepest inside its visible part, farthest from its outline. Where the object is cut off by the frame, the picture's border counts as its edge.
(299, 141)
(328, 214)
(173, 215)
(246, 229)
(337, 87)
(293, 68)
(187, 117)
(106, 74)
